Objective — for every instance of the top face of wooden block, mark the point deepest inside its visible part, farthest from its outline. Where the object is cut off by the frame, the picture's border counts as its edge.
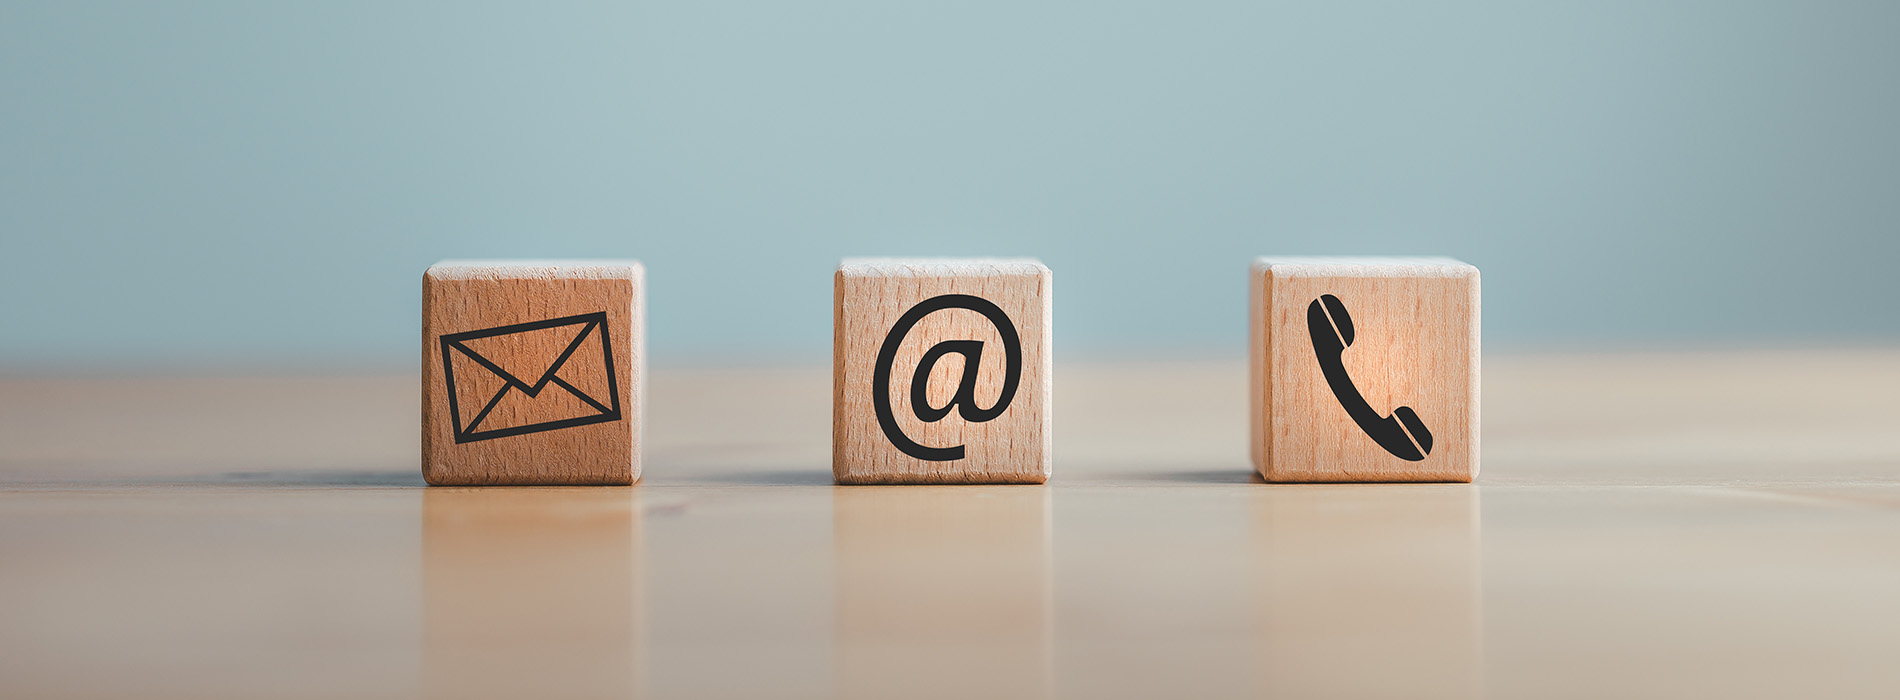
(1319, 266)
(942, 267)
(459, 270)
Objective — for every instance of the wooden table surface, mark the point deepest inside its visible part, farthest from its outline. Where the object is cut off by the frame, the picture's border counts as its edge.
(1646, 525)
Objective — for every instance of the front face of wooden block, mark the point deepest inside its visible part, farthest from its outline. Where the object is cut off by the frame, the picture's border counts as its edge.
(942, 378)
(1368, 377)
(530, 375)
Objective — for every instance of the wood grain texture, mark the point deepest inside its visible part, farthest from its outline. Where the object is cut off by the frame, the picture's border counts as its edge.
(565, 407)
(529, 589)
(1415, 343)
(933, 573)
(1707, 524)
(871, 297)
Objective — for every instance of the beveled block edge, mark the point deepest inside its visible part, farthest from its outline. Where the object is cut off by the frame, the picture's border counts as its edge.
(461, 270)
(1349, 266)
(942, 267)
(943, 479)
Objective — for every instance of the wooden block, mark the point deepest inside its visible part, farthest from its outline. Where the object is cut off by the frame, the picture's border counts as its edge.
(940, 372)
(532, 372)
(1365, 369)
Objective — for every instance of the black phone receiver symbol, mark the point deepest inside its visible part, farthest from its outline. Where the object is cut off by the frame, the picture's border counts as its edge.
(1331, 328)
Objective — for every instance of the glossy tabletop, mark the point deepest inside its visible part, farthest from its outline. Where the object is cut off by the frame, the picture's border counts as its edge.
(1645, 525)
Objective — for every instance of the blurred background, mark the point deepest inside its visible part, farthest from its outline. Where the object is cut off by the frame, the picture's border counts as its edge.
(210, 186)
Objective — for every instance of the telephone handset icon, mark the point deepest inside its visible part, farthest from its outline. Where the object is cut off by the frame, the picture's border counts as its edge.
(1331, 329)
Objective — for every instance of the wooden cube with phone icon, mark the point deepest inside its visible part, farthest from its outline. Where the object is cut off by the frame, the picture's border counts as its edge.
(1364, 369)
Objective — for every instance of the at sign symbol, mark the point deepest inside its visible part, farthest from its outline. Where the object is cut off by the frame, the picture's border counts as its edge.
(964, 400)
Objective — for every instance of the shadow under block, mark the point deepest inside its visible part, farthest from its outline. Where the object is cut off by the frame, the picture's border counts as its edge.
(532, 372)
(1364, 369)
(941, 372)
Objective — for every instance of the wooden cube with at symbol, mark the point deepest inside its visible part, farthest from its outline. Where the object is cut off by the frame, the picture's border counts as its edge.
(531, 372)
(1365, 369)
(940, 371)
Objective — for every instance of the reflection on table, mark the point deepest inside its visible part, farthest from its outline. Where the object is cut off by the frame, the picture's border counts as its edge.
(531, 592)
(943, 591)
(1368, 591)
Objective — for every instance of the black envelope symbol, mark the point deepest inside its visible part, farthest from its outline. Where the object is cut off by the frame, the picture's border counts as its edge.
(493, 361)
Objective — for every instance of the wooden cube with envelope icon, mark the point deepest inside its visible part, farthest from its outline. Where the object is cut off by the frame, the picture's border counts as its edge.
(940, 371)
(532, 372)
(1365, 369)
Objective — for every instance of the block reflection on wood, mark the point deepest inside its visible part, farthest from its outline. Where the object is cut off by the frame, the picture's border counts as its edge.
(531, 592)
(943, 592)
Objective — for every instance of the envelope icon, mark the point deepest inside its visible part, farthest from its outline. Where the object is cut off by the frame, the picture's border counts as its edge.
(530, 377)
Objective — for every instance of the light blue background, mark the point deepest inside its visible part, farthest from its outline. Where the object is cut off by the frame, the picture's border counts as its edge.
(262, 184)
